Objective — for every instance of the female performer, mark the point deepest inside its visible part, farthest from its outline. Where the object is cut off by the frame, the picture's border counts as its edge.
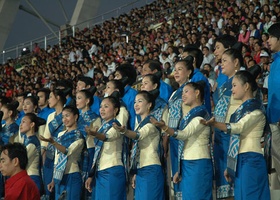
(149, 182)
(246, 166)
(54, 126)
(10, 128)
(231, 62)
(182, 73)
(194, 156)
(108, 172)
(117, 86)
(84, 100)
(29, 127)
(67, 179)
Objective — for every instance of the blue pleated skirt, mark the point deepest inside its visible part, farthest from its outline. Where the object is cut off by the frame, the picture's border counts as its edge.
(149, 183)
(37, 180)
(174, 145)
(71, 185)
(47, 174)
(110, 184)
(251, 181)
(221, 145)
(197, 177)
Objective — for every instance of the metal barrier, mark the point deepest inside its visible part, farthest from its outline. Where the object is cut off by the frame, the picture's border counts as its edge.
(51, 39)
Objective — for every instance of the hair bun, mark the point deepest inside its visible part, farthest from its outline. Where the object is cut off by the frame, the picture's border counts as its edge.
(189, 59)
(237, 46)
(158, 74)
(40, 121)
(125, 80)
(14, 104)
(255, 70)
(116, 95)
(155, 93)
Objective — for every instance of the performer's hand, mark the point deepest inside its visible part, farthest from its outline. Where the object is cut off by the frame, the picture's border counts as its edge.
(51, 186)
(88, 184)
(119, 128)
(227, 176)
(133, 181)
(176, 178)
(91, 130)
(159, 124)
(210, 122)
(50, 140)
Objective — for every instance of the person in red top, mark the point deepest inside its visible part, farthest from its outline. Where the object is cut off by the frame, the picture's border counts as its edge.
(13, 162)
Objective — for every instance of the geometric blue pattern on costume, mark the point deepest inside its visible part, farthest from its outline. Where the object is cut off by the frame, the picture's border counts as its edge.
(246, 107)
(223, 103)
(99, 144)
(135, 152)
(199, 111)
(175, 108)
(66, 139)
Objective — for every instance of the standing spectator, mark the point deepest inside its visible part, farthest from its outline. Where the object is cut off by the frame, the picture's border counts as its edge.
(273, 107)
(13, 164)
(36, 49)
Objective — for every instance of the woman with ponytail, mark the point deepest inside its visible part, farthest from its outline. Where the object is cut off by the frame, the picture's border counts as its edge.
(232, 61)
(115, 88)
(151, 83)
(69, 143)
(84, 100)
(182, 74)
(54, 126)
(245, 167)
(148, 181)
(107, 174)
(29, 127)
(194, 161)
(10, 128)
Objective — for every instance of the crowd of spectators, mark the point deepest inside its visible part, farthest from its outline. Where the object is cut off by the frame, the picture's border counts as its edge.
(158, 31)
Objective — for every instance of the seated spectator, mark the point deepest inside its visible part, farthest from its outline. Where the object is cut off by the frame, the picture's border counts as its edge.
(13, 164)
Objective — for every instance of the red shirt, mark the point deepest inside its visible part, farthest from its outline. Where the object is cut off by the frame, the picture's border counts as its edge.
(21, 186)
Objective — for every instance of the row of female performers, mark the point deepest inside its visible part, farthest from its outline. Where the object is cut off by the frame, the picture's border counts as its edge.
(103, 162)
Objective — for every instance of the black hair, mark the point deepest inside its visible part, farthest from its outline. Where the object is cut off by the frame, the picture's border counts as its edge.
(148, 97)
(118, 85)
(16, 150)
(227, 40)
(196, 53)
(37, 120)
(247, 77)
(72, 109)
(154, 79)
(274, 30)
(33, 99)
(115, 101)
(46, 91)
(235, 54)
(127, 70)
(154, 65)
(89, 94)
(188, 63)
(200, 85)
(61, 93)
(12, 107)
